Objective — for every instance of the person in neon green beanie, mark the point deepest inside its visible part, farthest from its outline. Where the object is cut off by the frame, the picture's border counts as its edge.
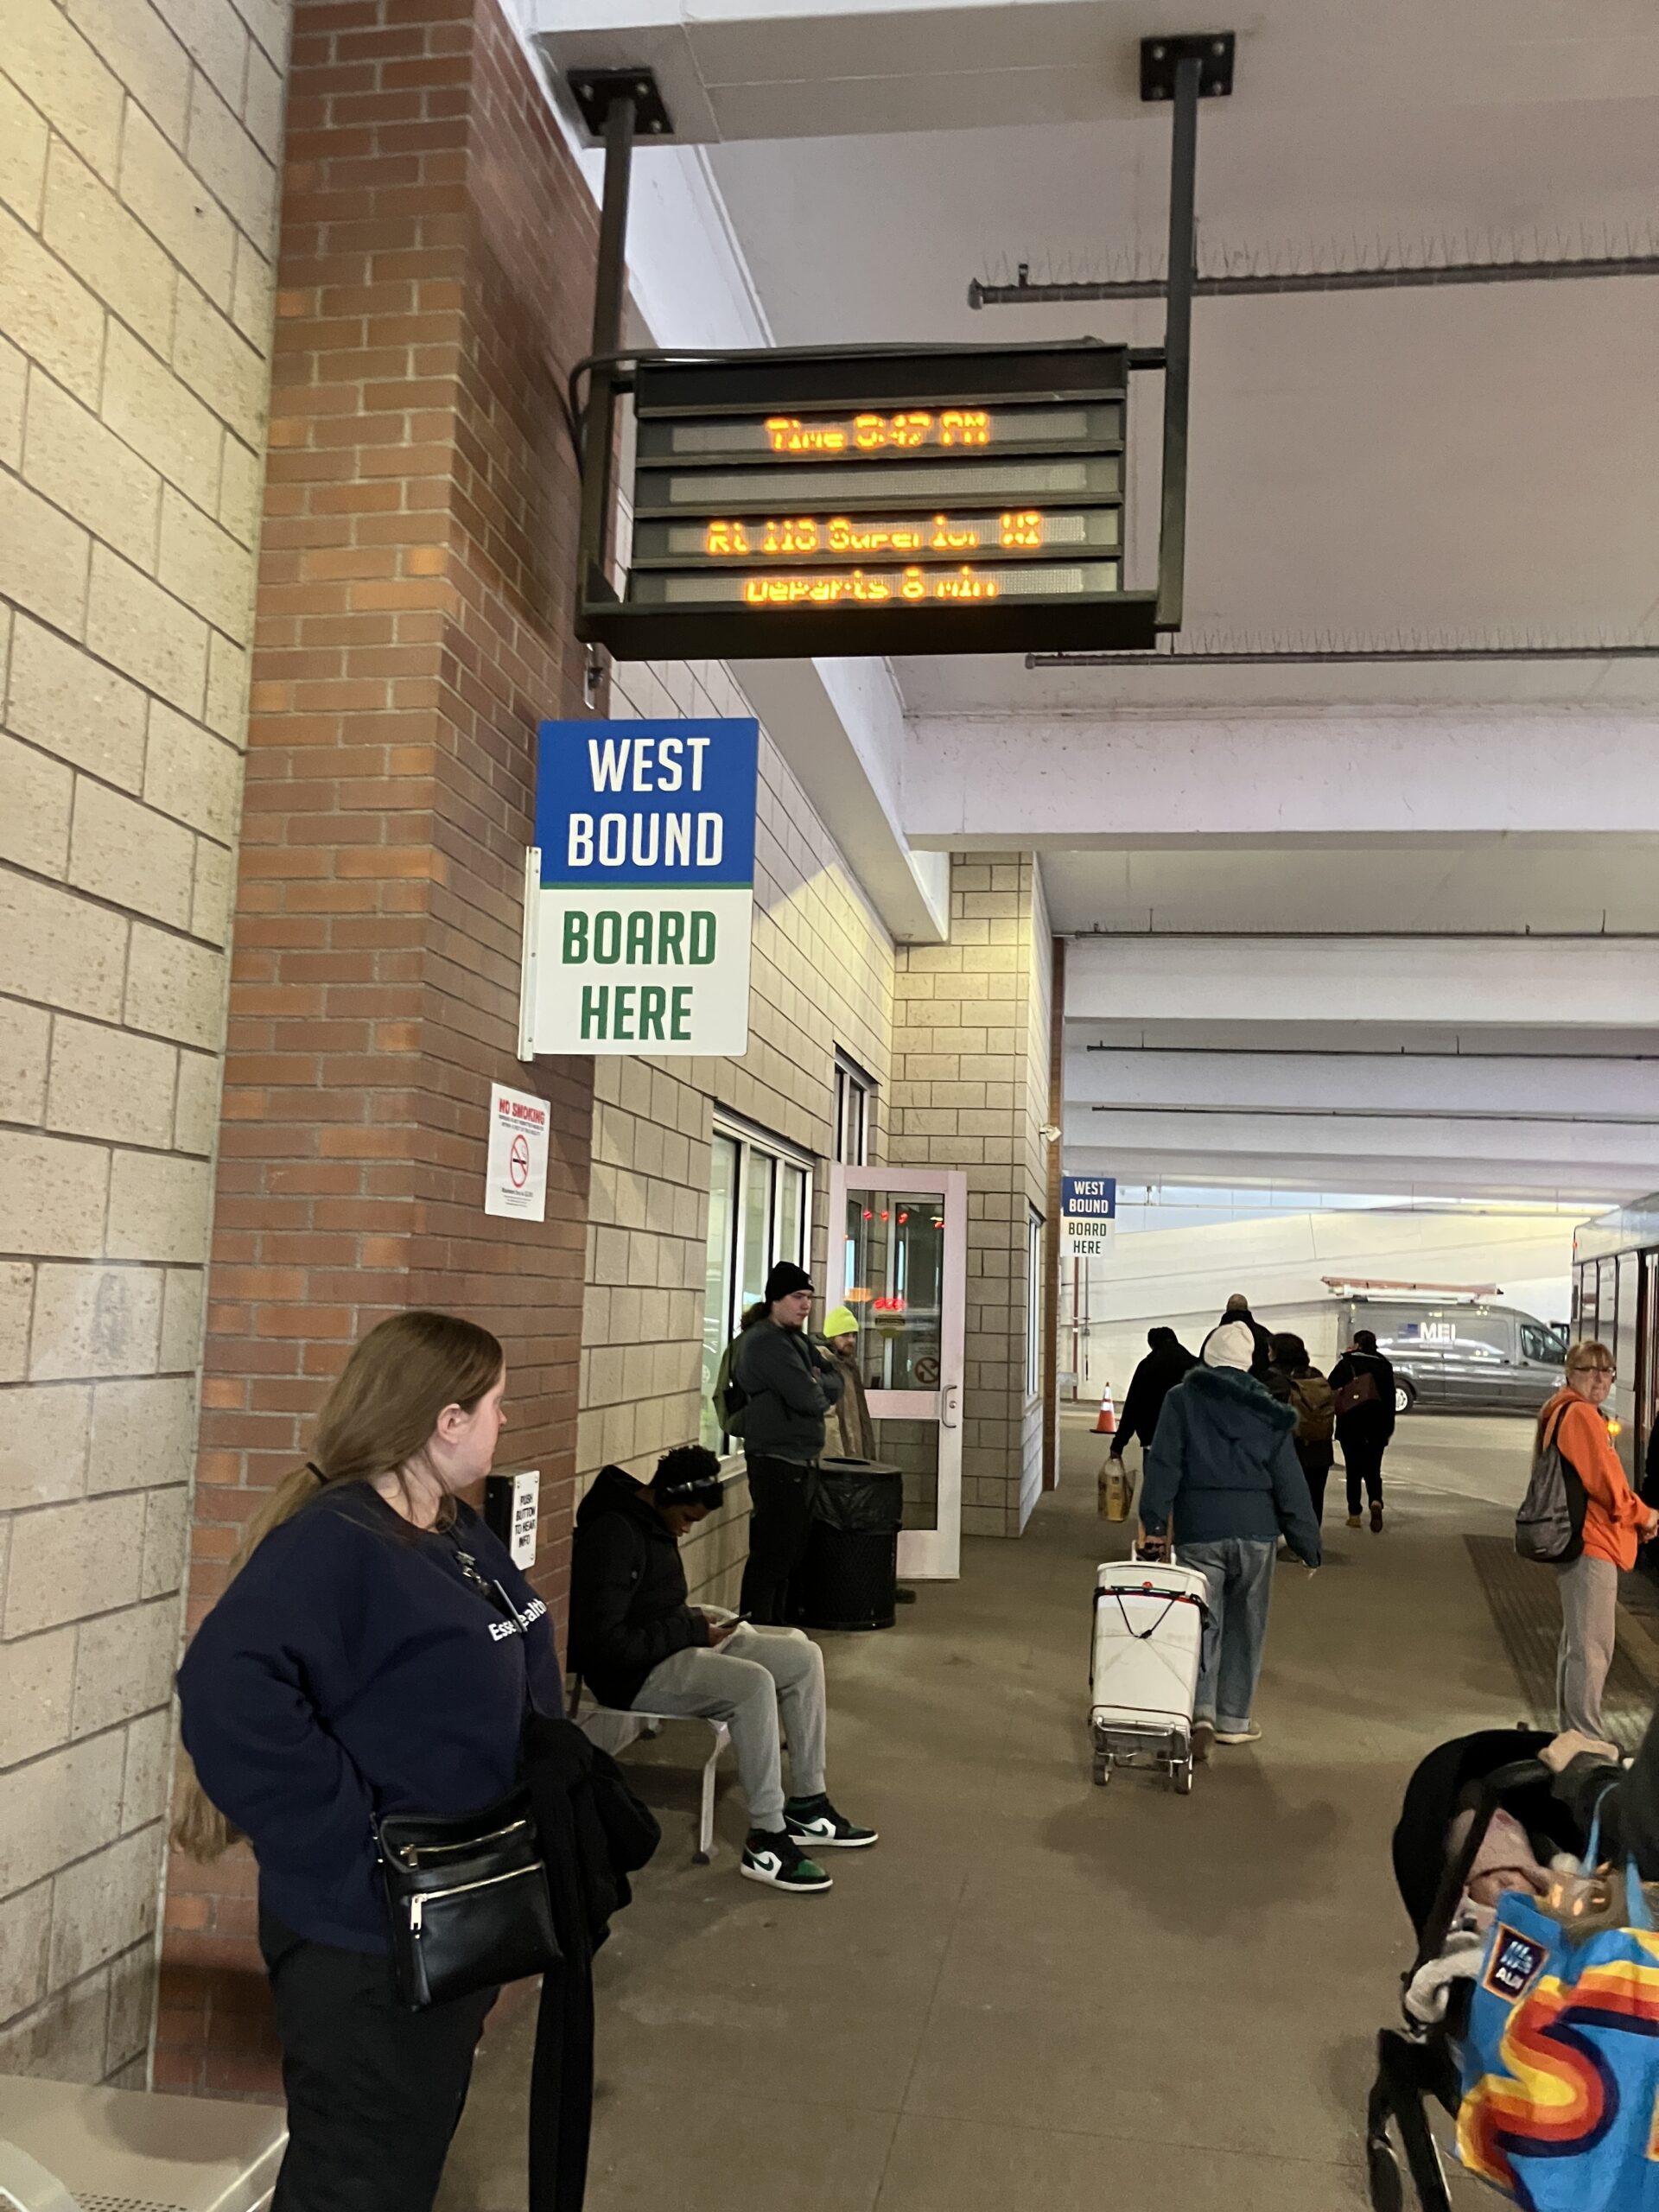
(856, 1439)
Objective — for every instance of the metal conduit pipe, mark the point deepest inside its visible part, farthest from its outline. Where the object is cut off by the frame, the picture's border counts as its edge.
(1423, 654)
(1024, 293)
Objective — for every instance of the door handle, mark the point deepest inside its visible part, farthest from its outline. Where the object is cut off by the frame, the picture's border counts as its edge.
(950, 1405)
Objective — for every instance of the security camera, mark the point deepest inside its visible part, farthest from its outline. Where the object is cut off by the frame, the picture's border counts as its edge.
(1050, 1133)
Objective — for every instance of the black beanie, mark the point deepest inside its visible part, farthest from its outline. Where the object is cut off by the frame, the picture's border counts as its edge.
(784, 1278)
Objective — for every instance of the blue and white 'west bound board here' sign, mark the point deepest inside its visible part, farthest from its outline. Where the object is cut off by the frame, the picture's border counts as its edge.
(641, 892)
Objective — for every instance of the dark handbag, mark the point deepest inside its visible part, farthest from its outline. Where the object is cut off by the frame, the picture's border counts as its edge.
(1361, 1390)
(468, 1899)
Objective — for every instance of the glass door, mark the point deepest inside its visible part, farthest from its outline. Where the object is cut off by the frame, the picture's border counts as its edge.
(898, 1258)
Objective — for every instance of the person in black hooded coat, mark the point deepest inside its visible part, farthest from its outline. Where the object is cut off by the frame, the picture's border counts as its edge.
(639, 1644)
(1237, 1308)
(1166, 1362)
(1364, 1428)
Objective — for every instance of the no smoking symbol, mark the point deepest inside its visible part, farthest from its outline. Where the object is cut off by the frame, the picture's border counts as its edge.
(519, 1162)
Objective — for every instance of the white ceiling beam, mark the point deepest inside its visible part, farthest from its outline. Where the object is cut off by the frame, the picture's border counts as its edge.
(839, 725)
(1359, 1082)
(1332, 1030)
(1624, 1148)
(1084, 782)
(1489, 885)
(1467, 982)
(1373, 1158)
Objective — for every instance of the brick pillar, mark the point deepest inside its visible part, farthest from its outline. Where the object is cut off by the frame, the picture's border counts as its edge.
(434, 277)
(970, 1075)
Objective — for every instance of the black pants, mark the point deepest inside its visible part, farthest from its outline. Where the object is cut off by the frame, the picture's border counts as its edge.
(1315, 1460)
(374, 2091)
(1362, 1458)
(781, 1497)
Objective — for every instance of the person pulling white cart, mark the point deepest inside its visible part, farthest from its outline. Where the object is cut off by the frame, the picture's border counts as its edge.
(1143, 1676)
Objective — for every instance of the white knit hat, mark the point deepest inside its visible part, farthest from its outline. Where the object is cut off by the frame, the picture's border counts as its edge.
(1230, 1345)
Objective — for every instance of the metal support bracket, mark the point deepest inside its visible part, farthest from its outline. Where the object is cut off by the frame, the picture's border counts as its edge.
(530, 939)
(610, 100)
(1182, 70)
(1161, 57)
(592, 91)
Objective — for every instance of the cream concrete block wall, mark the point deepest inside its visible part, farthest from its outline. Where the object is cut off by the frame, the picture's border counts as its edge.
(970, 1091)
(821, 976)
(139, 145)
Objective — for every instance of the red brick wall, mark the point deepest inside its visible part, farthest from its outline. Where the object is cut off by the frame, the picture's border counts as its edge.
(435, 282)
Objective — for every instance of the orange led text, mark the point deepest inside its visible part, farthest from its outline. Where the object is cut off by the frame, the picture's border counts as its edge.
(856, 586)
(950, 426)
(790, 537)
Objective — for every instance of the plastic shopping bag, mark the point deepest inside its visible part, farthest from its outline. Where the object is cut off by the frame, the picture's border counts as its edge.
(1560, 2064)
(1115, 1491)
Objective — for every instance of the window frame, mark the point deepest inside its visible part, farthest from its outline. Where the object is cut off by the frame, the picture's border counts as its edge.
(1035, 1223)
(749, 1141)
(854, 1095)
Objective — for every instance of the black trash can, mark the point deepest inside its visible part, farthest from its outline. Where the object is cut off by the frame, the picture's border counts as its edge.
(850, 1573)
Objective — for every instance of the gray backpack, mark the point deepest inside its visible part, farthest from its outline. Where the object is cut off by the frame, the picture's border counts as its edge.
(1549, 1527)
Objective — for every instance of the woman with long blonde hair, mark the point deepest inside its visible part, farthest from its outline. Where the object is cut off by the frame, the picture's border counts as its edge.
(376, 1652)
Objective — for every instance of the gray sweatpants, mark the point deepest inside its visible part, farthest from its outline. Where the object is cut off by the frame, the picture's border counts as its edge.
(1589, 1625)
(760, 1675)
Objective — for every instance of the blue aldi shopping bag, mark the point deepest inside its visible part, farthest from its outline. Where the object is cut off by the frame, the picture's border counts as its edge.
(1560, 2065)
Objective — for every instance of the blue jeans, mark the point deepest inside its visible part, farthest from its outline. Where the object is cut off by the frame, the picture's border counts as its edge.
(1240, 1574)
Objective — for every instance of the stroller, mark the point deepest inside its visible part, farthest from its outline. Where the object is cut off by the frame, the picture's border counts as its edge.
(1416, 2062)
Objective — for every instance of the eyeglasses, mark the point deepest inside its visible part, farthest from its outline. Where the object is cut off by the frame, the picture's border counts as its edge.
(1611, 1372)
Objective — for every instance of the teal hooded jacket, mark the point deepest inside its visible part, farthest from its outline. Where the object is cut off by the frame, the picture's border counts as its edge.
(1224, 1465)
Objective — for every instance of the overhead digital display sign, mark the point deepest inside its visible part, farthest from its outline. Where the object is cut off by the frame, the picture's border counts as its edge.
(947, 500)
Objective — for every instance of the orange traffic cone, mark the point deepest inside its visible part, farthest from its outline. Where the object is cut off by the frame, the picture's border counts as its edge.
(1106, 1422)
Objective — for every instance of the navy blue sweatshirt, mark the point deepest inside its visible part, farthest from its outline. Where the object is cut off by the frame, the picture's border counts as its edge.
(351, 1669)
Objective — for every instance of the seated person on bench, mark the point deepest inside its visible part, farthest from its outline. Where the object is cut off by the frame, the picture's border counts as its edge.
(639, 1645)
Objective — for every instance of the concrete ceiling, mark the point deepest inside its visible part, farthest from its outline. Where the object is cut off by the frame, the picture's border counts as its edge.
(737, 70)
(1469, 466)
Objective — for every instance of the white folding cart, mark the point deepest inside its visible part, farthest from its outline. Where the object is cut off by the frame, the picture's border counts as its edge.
(1143, 1674)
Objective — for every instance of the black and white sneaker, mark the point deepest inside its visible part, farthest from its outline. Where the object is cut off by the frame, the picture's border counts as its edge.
(779, 1860)
(814, 1823)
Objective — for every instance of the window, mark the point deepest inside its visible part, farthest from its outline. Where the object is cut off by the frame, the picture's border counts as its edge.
(1542, 1345)
(1034, 1303)
(855, 1093)
(760, 1212)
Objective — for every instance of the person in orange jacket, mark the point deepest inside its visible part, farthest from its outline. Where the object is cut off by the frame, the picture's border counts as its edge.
(1615, 1521)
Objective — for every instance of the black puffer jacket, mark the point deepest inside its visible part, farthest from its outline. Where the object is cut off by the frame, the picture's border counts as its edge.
(628, 1611)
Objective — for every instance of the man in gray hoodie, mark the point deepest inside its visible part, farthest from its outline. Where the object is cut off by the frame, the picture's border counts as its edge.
(1223, 1462)
(789, 1383)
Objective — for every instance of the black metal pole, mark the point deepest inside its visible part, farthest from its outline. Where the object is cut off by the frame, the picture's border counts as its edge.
(610, 289)
(1315, 656)
(1446, 277)
(1178, 341)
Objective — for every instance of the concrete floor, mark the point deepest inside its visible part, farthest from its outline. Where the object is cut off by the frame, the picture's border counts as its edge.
(1036, 1992)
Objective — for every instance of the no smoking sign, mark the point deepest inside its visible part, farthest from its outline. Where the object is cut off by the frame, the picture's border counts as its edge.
(515, 1173)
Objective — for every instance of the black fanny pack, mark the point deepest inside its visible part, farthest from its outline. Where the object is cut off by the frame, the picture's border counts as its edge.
(469, 1901)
